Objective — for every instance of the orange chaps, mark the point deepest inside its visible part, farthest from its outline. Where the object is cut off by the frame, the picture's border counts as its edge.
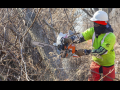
(108, 72)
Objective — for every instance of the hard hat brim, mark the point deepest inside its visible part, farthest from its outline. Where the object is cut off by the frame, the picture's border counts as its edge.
(93, 19)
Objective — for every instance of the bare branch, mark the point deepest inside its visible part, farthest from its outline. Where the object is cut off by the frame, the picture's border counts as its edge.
(92, 11)
(86, 12)
(50, 26)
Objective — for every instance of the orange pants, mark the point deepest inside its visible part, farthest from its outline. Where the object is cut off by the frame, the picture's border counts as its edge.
(95, 75)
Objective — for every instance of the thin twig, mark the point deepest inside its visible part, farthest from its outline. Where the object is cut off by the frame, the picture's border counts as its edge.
(21, 46)
(50, 26)
(13, 17)
(106, 74)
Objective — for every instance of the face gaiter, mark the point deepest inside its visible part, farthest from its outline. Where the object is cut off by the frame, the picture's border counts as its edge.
(99, 29)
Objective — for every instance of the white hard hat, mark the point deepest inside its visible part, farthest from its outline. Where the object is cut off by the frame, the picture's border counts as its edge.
(100, 16)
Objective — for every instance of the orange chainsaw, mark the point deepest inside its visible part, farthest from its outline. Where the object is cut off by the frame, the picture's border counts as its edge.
(69, 50)
(61, 47)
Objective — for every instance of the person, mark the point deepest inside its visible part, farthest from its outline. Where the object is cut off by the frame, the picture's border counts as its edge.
(103, 41)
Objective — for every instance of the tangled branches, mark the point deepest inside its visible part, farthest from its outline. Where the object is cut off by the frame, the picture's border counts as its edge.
(22, 61)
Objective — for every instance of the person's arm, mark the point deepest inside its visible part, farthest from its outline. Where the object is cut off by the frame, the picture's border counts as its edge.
(84, 36)
(78, 38)
(106, 46)
(100, 51)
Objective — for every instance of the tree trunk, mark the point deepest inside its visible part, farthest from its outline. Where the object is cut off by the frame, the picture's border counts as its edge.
(37, 34)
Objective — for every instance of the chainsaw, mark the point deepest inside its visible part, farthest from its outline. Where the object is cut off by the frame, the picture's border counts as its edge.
(70, 49)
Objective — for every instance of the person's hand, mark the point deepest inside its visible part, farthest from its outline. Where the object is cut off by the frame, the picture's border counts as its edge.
(80, 52)
(67, 41)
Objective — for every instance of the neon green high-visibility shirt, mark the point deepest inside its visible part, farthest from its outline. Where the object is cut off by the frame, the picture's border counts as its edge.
(109, 41)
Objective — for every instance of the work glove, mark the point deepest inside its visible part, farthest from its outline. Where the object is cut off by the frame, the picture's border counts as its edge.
(82, 52)
(71, 40)
(67, 41)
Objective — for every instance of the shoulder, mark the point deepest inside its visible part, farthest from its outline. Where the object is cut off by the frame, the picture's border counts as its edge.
(109, 41)
(111, 36)
(89, 30)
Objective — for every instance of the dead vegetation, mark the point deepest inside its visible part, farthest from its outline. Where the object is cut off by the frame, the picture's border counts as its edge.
(26, 62)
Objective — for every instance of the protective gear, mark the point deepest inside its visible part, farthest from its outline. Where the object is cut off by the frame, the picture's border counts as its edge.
(100, 29)
(108, 44)
(100, 16)
(80, 52)
(87, 52)
(99, 51)
(76, 40)
(97, 69)
(67, 41)
(101, 22)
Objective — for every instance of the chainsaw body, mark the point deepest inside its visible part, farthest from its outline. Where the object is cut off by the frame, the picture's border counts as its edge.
(70, 49)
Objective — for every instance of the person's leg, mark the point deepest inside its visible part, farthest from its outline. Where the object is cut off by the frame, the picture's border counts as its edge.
(111, 71)
(94, 68)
